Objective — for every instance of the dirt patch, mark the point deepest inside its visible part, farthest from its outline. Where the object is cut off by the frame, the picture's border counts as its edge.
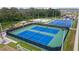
(7, 48)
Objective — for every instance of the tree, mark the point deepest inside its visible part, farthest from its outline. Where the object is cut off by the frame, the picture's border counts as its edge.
(14, 14)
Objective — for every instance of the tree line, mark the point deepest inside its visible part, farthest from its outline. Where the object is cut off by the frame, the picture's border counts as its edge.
(18, 14)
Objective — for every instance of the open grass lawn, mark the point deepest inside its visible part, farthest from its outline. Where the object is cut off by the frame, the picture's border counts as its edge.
(69, 42)
(29, 47)
(7, 48)
(74, 24)
(23, 44)
(1, 45)
(11, 44)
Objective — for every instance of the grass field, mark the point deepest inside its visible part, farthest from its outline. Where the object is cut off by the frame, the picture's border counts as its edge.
(11, 44)
(1, 45)
(23, 44)
(75, 24)
(69, 42)
(29, 47)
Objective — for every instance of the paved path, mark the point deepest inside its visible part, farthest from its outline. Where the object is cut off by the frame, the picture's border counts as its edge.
(8, 40)
(73, 29)
(76, 38)
(8, 48)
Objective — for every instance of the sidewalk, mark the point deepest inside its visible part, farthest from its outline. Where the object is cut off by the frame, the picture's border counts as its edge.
(7, 40)
(76, 38)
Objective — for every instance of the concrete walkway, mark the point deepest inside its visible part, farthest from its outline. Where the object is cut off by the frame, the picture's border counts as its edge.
(76, 37)
(8, 40)
(73, 29)
(8, 48)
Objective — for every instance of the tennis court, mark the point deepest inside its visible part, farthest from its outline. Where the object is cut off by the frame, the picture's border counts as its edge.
(62, 23)
(36, 37)
(44, 35)
(45, 29)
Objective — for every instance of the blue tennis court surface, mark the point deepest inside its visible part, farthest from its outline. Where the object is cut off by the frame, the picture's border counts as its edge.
(36, 37)
(48, 30)
(40, 35)
(63, 23)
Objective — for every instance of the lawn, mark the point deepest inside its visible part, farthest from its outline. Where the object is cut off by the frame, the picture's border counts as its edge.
(11, 44)
(23, 44)
(74, 24)
(1, 45)
(29, 47)
(69, 42)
